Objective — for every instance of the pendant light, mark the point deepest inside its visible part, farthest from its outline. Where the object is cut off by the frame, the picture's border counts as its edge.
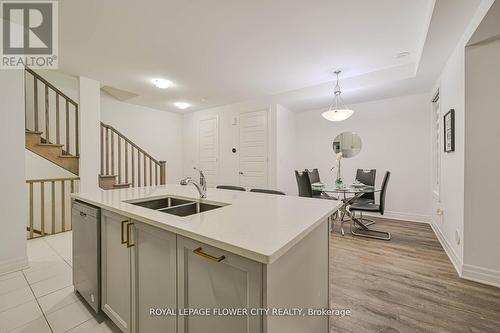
(338, 111)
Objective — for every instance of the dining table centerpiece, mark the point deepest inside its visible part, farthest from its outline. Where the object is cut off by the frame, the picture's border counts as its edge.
(339, 181)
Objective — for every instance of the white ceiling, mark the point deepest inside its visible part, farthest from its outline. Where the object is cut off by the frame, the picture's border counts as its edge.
(219, 52)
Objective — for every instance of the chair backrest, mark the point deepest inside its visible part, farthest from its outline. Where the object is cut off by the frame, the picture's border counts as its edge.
(303, 184)
(261, 190)
(383, 191)
(231, 187)
(367, 177)
(313, 178)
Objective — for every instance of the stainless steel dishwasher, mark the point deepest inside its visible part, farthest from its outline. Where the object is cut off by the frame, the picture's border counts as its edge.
(86, 225)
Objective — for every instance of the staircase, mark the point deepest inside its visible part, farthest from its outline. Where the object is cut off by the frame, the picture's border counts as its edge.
(124, 164)
(51, 118)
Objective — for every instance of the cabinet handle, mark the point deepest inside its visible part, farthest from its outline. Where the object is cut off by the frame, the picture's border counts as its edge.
(200, 252)
(123, 232)
(83, 214)
(129, 244)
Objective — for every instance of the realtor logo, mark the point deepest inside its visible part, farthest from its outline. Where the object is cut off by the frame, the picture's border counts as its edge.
(29, 34)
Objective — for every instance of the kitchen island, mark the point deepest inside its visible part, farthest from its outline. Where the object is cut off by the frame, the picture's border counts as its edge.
(232, 262)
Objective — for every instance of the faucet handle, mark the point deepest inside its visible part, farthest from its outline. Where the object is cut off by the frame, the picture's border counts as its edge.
(185, 181)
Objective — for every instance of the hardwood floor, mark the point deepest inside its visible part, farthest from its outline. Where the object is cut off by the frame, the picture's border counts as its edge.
(405, 285)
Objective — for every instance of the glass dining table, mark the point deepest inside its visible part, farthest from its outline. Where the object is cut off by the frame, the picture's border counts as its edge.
(348, 195)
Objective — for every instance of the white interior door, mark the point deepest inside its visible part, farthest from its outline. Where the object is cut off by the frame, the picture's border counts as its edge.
(208, 147)
(254, 136)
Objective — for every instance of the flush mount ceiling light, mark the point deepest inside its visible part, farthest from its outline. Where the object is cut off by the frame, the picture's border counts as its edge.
(338, 111)
(182, 105)
(162, 83)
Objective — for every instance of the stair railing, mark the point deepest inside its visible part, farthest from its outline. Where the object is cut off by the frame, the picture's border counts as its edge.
(129, 162)
(54, 113)
(49, 205)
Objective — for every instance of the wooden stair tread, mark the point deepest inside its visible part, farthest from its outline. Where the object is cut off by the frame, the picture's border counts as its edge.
(107, 176)
(58, 145)
(34, 132)
(68, 156)
(122, 185)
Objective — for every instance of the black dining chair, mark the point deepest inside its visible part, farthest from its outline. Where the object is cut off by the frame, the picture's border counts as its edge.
(303, 184)
(231, 187)
(373, 208)
(314, 178)
(305, 190)
(366, 177)
(262, 190)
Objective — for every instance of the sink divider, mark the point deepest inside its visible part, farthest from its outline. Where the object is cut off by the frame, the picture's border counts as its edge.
(175, 206)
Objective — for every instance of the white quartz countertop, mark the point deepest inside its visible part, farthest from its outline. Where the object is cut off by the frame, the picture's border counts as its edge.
(258, 226)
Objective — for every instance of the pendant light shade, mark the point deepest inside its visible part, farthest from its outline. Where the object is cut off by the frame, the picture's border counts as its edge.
(338, 111)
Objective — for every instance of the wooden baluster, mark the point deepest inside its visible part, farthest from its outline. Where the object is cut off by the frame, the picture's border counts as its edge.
(63, 206)
(42, 209)
(138, 168)
(53, 203)
(150, 173)
(163, 172)
(133, 167)
(126, 161)
(113, 153)
(58, 129)
(107, 151)
(31, 211)
(119, 159)
(156, 174)
(35, 101)
(67, 127)
(25, 101)
(72, 186)
(77, 139)
(47, 114)
(145, 172)
(102, 150)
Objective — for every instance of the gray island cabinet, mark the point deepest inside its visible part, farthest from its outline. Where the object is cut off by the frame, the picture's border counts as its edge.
(159, 277)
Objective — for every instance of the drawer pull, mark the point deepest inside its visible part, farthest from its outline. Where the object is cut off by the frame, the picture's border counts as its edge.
(129, 243)
(123, 232)
(200, 252)
(83, 214)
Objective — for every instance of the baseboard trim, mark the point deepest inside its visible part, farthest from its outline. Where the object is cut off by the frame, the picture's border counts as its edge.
(481, 275)
(13, 265)
(452, 255)
(402, 216)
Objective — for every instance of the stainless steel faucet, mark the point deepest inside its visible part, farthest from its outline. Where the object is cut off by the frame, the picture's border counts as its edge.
(201, 186)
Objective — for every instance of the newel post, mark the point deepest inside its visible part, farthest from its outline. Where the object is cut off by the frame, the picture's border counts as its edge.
(163, 172)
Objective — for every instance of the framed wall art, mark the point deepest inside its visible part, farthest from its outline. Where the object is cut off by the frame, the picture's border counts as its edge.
(449, 131)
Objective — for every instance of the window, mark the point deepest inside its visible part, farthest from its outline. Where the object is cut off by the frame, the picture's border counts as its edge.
(437, 145)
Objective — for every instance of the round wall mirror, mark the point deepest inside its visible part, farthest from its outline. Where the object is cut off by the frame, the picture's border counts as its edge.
(349, 143)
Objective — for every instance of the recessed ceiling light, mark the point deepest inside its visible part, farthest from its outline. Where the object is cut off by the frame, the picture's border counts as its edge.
(162, 83)
(402, 54)
(182, 105)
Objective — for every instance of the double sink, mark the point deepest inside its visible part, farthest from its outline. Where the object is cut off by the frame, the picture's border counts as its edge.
(177, 206)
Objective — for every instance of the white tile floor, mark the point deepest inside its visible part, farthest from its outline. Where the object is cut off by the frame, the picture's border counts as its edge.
(41, 299)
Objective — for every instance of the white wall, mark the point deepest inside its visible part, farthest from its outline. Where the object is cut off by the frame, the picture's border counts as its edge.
(90, 131)
(286, 150)
(451, 84)
(395, 137)
(228, 138)
(157, 132)
(482, 142)
(12, 181)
